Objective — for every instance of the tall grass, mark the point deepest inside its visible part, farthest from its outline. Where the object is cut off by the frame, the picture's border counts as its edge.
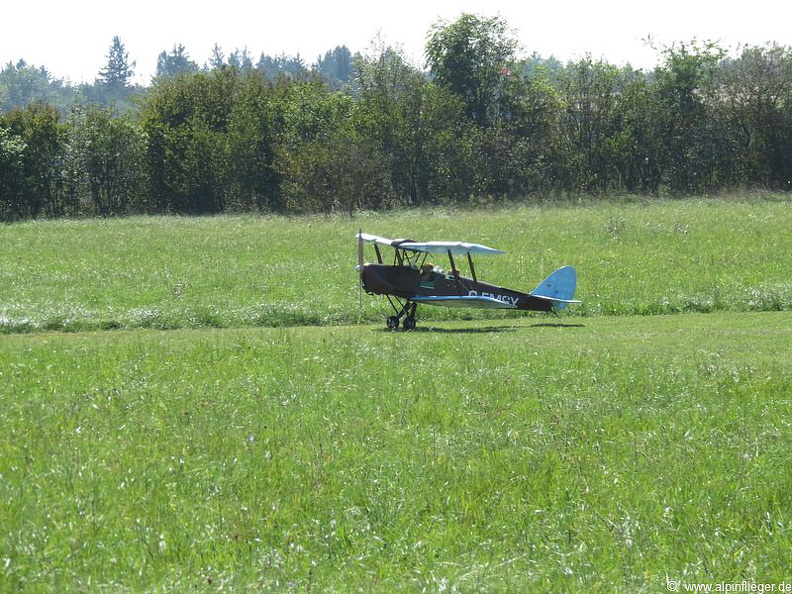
(632, 258)
(246, 451)
(509, 455)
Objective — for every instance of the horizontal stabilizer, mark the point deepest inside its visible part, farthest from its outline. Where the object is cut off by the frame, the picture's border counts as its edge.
(479, 301)
(554, 300)
(558, 288)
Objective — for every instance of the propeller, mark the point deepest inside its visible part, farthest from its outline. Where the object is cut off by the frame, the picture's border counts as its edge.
(359, 267)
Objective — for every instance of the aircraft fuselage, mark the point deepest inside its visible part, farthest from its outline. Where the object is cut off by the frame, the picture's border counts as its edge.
(408, 282)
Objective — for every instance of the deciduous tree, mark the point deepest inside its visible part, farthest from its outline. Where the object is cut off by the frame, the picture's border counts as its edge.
(104, 164)
(34, 135)
(470, 57)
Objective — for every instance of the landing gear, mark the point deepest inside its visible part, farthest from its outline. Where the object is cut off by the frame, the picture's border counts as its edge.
(405, 310)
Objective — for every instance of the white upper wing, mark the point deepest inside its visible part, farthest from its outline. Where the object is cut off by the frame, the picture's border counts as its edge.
(443, 247)
(431, 247)
(368, 237)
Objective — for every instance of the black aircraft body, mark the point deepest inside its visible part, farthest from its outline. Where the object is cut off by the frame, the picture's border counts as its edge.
(411, 280)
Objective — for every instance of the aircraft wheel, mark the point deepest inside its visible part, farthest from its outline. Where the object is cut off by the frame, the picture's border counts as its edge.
(409, 323)
(393, 323)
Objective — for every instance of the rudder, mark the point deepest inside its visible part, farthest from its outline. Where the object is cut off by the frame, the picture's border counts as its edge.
(559, 287)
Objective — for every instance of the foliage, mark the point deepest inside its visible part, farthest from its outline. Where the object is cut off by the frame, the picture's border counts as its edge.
(12, 161)
(293, 67)
(31, 160)
(472, 57)
(113, 87)
(118, 71)
(22, 84)
(375, 132)
(186, 122)
(591, 126)
(395, 115)
(253, 131)
(694, 144)
(174, 63)
(757, 100)
(337, 67)
(104, 163)
(318, 157)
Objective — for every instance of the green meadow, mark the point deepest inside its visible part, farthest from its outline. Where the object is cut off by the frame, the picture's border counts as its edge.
(203, 405)
(228, 272)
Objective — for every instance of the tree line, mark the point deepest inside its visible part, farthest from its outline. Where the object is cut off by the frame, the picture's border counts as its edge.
(22, 84)
(476, 124)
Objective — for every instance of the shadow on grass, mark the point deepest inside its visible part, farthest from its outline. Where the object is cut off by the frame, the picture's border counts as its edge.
(479, 330)
(436, 330)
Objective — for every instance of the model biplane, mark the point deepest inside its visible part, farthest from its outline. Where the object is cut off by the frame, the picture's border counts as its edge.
(411, 280)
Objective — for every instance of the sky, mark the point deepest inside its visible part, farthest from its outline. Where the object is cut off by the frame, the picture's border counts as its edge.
(72, 39)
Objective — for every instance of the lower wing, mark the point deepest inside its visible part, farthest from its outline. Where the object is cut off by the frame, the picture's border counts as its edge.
(465, 301)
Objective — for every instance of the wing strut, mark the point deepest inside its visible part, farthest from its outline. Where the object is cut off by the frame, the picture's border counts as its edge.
(451, 258)
(455, 272)
(472, 268)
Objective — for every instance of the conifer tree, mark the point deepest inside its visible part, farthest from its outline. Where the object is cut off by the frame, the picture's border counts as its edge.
(118, 71)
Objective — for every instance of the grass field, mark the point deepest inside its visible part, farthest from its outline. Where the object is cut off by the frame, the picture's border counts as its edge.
(632, 258)
(588, 453)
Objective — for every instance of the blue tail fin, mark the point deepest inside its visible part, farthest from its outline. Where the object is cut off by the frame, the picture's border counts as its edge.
(559, 287)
